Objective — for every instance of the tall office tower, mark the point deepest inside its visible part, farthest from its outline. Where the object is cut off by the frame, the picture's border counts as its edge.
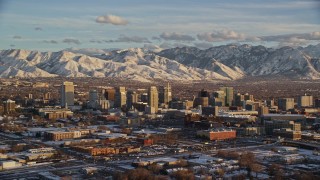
(47, 95)
(165, 94)
(132, 97)
(120, 97)
(238, 99)
(109, 94)
(262, 110)
(153, 98)
(270, 103)
(144, 97)
(317, 103)
(248, 96)
(305, 101)
(9, 106)
(203, 93)
(93, 99)
(219, 98)
(229, 95)
(67, 94)
(285, 104)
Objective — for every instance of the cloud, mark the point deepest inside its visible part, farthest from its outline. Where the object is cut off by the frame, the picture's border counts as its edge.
(71, 41)
(50, 41)
(169, 45)
(128, 39)
(156, 38)
(38, 29)
(203, 45)
(111, 19)
(218, 36)
(17, 37)
(176, 37)
(152, 47)
(293, 39)
(95, 41)
(165, 46)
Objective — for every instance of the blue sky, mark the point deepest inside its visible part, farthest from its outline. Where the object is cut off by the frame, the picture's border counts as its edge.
(54, 25)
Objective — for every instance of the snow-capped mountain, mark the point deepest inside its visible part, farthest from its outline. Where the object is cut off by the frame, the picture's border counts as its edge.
(228, 62)
(238, 61)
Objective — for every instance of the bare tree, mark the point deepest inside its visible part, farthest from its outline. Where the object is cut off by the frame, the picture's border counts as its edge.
(246, 160)
(256, 168)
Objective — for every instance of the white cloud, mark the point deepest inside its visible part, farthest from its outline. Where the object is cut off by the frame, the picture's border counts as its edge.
(224, 35)
(111, 19)
(152, 47)
(176, 37)
(293, 39)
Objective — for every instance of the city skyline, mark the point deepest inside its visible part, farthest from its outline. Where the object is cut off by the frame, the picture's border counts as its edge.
(47, 25)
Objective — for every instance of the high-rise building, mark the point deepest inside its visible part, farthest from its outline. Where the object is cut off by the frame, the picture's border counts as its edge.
(238, 99)
(132, 97)
(109, 94)
(165, 94)
(144, 97)
(201, 101)
(248, 96)
(9, 106)
(203, 93)
(285, 104)
(317, 103)
(262, 110)
(305, 101)
(229, 95)
(219, 98)
(153, 98)
(270, 103)
(67, 94)
(93, 99)
(120, 97)
(47, 95)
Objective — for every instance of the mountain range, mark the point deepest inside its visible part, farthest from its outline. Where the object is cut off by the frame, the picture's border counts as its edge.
(226, 62)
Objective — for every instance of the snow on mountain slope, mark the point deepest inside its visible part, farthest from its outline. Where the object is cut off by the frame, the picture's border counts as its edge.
(247, 60)
(228, 62)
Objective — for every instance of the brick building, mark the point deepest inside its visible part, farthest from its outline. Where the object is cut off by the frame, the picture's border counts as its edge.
(217, 134)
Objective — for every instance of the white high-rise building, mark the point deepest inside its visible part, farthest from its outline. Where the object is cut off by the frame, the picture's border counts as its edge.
(153, 98)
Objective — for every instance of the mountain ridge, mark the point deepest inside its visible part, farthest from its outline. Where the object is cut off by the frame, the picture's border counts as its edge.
(225, 62)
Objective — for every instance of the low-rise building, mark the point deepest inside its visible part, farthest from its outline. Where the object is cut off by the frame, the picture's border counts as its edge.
(251, 131)
(217, 134)
(287, 133)
(279, 124)
(52, 113)
(9, 164)
(60, 135)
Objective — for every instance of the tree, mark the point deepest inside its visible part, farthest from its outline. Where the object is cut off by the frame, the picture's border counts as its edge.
(246, 160)
(183, 175)
(256, 168)
(17, 148)
(273, 169)
(220, 172)
(155, 168)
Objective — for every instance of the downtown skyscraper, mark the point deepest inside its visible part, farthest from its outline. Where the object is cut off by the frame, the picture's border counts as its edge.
(67, 94)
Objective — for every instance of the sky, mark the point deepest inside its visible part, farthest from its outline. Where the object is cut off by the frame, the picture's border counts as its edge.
(53, 25)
